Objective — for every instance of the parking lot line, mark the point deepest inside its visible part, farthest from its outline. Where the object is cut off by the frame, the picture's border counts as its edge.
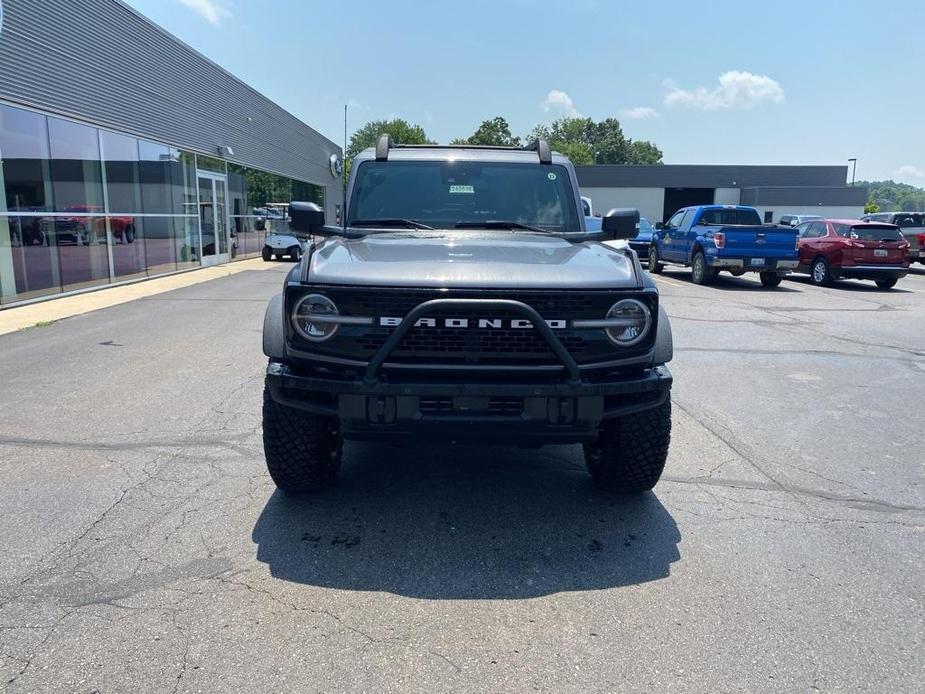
(667, 281)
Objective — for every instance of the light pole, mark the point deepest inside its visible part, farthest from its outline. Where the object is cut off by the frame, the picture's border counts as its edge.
(854, 168)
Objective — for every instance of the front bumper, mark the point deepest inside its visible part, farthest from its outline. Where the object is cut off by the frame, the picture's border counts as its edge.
(641, 248)
(522, 413)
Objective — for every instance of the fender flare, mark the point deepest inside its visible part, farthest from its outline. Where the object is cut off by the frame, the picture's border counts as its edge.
(664, 345)
(274, 336)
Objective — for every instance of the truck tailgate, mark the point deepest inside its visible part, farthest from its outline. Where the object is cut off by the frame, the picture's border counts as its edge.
(758, 241)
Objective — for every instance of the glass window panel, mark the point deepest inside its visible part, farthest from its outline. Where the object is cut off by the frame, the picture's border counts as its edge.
(206, 163)
(35, 264)
(123, 178)
(76, 175)
(155, 178)
(24, 151)
(85, 263)
(128, 248)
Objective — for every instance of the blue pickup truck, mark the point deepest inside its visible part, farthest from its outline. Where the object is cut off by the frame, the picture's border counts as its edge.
(713, 238)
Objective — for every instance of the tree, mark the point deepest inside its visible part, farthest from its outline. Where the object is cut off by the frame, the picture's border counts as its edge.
(402, 132)
(586, 142)
(644, 152)
(495, 132)
(890, 196)
(870, 207)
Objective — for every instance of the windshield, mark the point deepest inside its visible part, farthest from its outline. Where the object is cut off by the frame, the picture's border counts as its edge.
(444, 194)
(909, 220)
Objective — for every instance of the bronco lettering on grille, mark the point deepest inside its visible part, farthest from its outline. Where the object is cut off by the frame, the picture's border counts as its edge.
(481, 323)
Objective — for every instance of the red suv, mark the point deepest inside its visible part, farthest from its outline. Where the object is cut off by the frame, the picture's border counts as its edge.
(831, 249)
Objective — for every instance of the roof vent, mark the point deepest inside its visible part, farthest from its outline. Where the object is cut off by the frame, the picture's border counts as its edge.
(383, 146)
(541, 147)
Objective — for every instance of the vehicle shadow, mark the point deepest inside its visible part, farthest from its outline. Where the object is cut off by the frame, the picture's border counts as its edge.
(466, 523)
(726, 282)
(864, 286)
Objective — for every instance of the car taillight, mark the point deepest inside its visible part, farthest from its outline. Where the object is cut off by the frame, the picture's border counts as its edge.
(719, 238)
(796, 242)
(921, 238)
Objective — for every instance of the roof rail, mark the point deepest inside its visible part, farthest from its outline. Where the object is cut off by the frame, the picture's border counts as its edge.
(385, 143)
(541, 147)
(383, 146)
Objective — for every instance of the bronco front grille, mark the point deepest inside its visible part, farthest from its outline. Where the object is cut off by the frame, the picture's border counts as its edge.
(473, 345)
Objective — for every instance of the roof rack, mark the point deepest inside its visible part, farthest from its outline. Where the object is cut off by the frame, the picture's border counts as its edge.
(541, 147)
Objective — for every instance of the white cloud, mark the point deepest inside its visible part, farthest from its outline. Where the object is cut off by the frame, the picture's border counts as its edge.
(909, 173)
(213, 11)
(640, 113)
(736, 90)
(558, 100)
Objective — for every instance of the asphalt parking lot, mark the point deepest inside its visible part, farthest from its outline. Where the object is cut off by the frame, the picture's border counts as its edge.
(145, 549)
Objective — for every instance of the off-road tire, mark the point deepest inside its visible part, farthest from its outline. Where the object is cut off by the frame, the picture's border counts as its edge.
(886, 284)
(630, 452)
(701, 273)
(303, 450)
(770, 279)
(266, 254)
(822, 276)
(655, 267)
(294, 253)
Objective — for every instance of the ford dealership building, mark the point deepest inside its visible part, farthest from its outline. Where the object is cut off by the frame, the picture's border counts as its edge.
(126, 154)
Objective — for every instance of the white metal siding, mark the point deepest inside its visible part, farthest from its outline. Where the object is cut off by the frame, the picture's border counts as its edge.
(649, 201)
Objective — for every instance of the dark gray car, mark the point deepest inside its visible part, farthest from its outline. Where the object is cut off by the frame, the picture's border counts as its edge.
(464, 301)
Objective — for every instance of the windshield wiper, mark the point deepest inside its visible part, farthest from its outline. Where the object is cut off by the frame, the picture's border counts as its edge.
(499, 224)
(392, 222)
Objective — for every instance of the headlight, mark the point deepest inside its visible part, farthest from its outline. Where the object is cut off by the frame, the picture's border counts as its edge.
(629, 321)
(309, 314)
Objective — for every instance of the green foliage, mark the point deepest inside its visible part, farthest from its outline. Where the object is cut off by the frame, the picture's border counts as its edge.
(263, 187)
(582, 140)
(870, 207)
(402, 132)
(587, 142)
(890, 196)
(495, 132)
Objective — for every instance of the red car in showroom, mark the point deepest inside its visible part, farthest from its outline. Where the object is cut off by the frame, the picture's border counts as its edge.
(831, 249)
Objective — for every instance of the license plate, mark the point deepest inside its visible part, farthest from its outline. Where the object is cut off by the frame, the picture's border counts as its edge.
(757, 262)
(880, 252)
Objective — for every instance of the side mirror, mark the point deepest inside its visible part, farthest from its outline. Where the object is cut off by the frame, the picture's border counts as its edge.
(306, 217)
(660, 226)
(620, 223)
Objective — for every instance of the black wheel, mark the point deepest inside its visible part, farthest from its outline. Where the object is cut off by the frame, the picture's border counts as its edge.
(630, 452)
(700, 273)
(266, 254)
(655, 267)
(294, 252)
(128, 234)
(820, 273)
(303, 450)
(886, 284)
(770, 279)
(737, 272)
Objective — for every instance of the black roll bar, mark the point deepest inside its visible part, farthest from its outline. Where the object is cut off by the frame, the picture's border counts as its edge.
(371, 374)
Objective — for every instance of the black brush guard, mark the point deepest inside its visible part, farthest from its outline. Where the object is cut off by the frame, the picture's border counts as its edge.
(569, 410)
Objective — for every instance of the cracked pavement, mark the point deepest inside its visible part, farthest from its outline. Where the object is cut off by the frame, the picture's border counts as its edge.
(147, 551)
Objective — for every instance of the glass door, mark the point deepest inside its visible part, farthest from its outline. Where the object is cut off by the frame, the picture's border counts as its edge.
(213, 218)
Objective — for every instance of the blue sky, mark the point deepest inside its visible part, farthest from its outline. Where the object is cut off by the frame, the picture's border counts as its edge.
(811, 82)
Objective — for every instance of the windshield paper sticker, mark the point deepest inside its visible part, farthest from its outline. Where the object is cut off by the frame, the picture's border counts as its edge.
(551, 176)
(462, 189)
